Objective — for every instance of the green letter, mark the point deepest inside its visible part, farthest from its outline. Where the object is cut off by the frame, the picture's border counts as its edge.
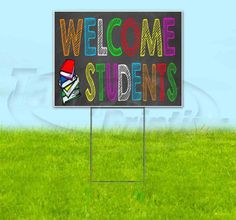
(113, 50)
(171, 92)
(100, 69)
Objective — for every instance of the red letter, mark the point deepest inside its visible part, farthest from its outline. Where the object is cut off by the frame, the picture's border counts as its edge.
(130, 23)
(161, 68)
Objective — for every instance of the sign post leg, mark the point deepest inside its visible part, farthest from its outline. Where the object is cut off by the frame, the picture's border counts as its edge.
(91, 148)
(144, 146)
(91, 133)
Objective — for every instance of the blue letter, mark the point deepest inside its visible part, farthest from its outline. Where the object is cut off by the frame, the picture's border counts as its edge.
(89, 35)
(136, 67)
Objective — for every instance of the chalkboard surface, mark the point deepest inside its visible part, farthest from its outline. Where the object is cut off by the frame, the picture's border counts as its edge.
(118, 59)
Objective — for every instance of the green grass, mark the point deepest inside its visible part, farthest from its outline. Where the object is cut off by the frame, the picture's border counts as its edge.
(189, 175)
(116, 156)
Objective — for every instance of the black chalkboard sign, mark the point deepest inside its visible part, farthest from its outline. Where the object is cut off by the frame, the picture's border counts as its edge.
(118, 59)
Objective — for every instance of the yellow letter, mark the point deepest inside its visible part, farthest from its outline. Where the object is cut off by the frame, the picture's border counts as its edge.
(90, 95)
(151, 40)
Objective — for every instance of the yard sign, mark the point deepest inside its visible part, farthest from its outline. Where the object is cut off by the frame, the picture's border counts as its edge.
(118, 59)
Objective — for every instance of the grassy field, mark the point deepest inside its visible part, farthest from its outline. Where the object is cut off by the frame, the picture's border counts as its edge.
(46, 175)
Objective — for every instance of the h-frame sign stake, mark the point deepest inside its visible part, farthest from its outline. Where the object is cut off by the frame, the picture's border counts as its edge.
(91, 153)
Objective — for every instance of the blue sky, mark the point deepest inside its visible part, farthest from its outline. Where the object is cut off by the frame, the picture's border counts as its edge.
(26, 65)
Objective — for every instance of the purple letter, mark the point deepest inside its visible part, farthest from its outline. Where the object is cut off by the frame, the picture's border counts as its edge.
(111, 93)
(168, 35)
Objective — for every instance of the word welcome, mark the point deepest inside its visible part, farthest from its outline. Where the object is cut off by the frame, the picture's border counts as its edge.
(157, 39)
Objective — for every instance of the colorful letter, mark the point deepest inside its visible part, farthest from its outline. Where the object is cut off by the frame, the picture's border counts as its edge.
(111, 93)
(102, 51)
(89, 35)
(172, 92)
(151, 41)
(90, 94)
(161, 68)
(168, 35)
(100, 69)
(113, 50)
(123, 70)
(136, 80)
(130, 23)
(71, 36)
(148, 83)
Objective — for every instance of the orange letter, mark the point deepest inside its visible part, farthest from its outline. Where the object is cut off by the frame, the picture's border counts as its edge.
(71, 35)
(148, 83)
